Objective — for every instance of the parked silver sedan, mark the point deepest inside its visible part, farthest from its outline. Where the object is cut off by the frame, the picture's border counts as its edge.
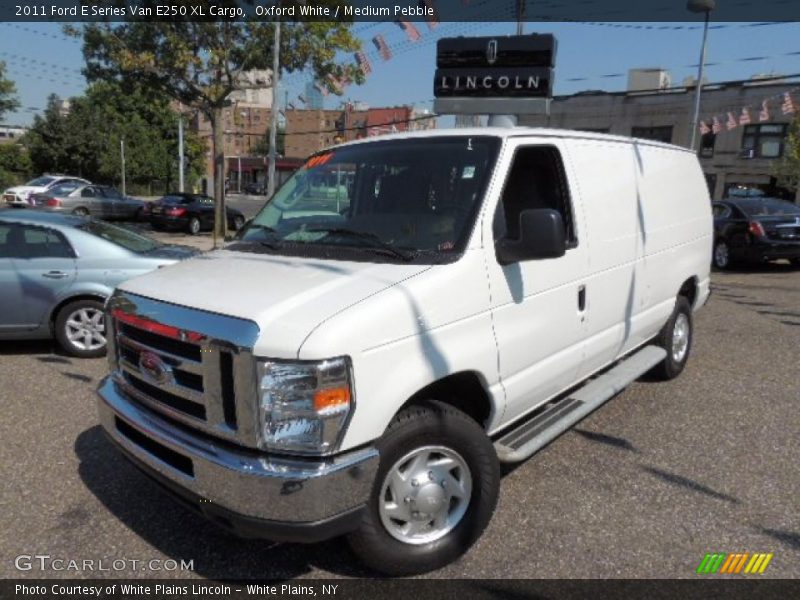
(56, 271)
(89, 199)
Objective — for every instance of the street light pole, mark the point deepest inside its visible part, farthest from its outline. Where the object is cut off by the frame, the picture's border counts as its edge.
(180, 152)
(273, 128)
(122, 160)
(700, 6)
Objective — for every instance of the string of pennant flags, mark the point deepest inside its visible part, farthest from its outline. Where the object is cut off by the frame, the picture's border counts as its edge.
(732, 120)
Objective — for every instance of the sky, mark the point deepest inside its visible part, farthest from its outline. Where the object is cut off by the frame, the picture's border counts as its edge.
(41, 60)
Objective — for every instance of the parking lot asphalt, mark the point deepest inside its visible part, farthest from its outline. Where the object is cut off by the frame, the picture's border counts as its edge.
(643, 488)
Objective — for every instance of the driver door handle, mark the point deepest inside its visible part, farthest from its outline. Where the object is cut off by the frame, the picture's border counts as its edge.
(55, 274)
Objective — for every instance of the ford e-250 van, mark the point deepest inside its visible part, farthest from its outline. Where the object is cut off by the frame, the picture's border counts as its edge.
(362, 365)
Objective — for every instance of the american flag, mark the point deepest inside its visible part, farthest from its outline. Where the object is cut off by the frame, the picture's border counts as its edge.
(716, 126)
(382, 47)
(763, 114)
(704, 129)
(322, 89)
(744, 118)
(788, 106)
(433, 19)
(302, 98)
(732, 122)
(411, 31)
(290, 106)
(363, 63)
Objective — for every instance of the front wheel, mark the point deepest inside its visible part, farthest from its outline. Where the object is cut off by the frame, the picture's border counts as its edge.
(676, 338)
(435, 492)
(80, 328)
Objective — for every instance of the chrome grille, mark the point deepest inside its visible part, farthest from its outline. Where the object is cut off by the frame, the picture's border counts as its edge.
(193, 366)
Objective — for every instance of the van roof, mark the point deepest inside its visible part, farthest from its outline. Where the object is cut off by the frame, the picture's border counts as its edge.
(511, 132)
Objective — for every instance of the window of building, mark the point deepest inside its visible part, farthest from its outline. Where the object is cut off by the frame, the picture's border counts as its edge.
(536, 180)
(658, 134)
(765, 140)
(707, 142)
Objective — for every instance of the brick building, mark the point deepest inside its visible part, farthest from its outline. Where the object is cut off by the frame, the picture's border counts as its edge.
(741, 156)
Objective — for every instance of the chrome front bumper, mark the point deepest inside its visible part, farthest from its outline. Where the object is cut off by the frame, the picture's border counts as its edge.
(252, 493)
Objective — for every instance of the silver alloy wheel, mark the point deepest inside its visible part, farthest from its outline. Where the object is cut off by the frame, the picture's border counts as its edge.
(194, 225)
(721, 255)
(680, 338)
(425, 495)
(85, 329)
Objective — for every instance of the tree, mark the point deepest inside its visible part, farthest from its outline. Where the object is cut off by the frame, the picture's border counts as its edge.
(200, 64)
(8, 93)
(85, 140)
(262, 145)
(787, 169)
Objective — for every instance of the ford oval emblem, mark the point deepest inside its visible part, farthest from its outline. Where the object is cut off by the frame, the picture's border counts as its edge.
(153, 368)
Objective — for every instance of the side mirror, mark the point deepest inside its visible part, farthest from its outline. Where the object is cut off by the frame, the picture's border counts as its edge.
(541, 235)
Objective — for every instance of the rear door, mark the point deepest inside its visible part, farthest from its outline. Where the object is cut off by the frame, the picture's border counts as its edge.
(45, 267)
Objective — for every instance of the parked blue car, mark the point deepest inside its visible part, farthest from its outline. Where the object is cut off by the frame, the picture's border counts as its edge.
(56, 271)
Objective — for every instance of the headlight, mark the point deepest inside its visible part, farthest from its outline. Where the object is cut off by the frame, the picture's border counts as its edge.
(304, 406)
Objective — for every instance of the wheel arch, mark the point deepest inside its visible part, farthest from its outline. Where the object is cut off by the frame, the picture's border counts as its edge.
(466, 391)
(688, 290)
(73, 298)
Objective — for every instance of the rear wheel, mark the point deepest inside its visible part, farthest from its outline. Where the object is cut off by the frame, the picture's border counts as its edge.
(435, 492)
(80, 211)
(676, 339)
(193, 227)
(80, 328)
(722, 255)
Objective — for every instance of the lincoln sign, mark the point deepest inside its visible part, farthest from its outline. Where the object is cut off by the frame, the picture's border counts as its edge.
(495, 67)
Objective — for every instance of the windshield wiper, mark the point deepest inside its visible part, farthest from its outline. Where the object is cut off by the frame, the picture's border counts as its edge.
(374, 241)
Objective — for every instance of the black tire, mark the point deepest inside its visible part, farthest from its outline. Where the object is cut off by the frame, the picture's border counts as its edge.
(193, 226)
(675, 362)
(236, 223)
(63, 329)
(721, 256)
(429, 424)
(80, 212)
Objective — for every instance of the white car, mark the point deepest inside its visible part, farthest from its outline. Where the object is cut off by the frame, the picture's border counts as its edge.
(19, 195)
(364, 369)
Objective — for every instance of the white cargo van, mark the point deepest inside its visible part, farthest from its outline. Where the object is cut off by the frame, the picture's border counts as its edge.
(363, 365)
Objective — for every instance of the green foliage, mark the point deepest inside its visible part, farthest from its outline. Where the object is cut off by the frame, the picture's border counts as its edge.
(787, 169)
(199, 64)
(261, 147)
(86, 140)
(15, 165)
(8, 98)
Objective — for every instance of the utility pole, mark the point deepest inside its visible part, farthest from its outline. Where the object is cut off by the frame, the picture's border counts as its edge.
(122, 158)
(180, 153)
(273, 128)
(699, 6)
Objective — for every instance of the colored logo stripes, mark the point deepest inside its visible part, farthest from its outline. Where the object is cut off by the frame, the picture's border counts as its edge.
(741, 562)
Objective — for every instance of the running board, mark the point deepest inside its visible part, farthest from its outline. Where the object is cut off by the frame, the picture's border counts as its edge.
(532, 435)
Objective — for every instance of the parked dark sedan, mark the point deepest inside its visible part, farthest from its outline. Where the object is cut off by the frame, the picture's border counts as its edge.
(755, 229)
(190, 212)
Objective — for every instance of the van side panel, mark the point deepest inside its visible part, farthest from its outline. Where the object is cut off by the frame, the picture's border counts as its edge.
(607, 179)
(678, 228)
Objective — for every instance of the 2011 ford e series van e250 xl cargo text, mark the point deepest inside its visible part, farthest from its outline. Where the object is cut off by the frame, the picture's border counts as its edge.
(362, 362)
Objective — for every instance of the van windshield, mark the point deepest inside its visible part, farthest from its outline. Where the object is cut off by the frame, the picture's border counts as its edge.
(400, 199)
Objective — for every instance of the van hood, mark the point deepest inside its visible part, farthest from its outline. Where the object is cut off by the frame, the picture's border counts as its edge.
(287, 297)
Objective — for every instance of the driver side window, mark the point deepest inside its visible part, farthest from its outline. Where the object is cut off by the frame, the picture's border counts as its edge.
(536, 179)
